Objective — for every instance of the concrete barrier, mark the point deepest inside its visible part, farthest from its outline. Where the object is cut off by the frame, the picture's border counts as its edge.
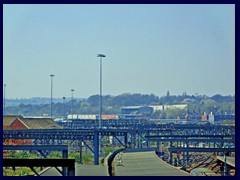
(110, 160)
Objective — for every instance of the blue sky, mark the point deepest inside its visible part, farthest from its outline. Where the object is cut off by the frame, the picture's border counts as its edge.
(148, 48)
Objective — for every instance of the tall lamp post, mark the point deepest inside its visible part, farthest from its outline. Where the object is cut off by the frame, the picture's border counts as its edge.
(100, 98)
(52, 75)
(4, 101)
(72, 103)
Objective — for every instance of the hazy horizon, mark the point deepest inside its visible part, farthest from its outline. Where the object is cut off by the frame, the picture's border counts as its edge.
(196, 95)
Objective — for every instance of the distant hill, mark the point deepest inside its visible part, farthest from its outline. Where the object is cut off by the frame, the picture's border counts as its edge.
(36, 101)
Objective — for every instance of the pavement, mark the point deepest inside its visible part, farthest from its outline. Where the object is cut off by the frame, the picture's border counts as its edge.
(144, 164)
(229, 160)
(127, 164)
(80, 170)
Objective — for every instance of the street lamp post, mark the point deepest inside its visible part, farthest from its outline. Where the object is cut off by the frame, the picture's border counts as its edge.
(72, 103)
(4, 101)
(100, 98)
(52, 75)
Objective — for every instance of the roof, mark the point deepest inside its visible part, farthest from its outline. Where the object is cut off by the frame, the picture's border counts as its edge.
(161, 107)
(8, 119)
(131, 107)
(40, 123)
(109, 116)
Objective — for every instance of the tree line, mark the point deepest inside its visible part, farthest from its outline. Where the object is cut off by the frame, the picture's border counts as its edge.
(217, 104)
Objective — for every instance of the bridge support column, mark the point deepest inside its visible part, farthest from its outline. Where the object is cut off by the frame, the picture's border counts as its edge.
(148, 142)
(135, 139)
(178, 159)
(183, 160)
(125, 140)
(170, 155)
(100, 145)
(81, 152)
(96, 147)
(138, 141)
(65, 156)
(170, 158)
(158, 145)
(187, 155)
(214, 145)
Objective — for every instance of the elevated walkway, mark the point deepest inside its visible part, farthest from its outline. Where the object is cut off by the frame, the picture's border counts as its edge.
(144, 164)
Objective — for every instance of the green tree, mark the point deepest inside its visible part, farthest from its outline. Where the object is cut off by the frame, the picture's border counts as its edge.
(163, 115)
(156, 114)
(175, 112)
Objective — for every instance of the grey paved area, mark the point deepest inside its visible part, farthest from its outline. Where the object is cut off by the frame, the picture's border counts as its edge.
(81, 170)
(230, 160)
(144, 164)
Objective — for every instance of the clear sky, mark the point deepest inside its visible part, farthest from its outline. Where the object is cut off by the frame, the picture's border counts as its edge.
(148, 48)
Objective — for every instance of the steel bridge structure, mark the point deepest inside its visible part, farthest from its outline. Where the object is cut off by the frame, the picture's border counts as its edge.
(129, 136)
(41, 149)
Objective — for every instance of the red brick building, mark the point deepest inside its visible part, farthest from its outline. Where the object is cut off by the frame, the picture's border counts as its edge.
(8, 120)
(18, 122)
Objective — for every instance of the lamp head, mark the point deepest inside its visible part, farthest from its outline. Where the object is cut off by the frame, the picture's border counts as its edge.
(101, 55)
